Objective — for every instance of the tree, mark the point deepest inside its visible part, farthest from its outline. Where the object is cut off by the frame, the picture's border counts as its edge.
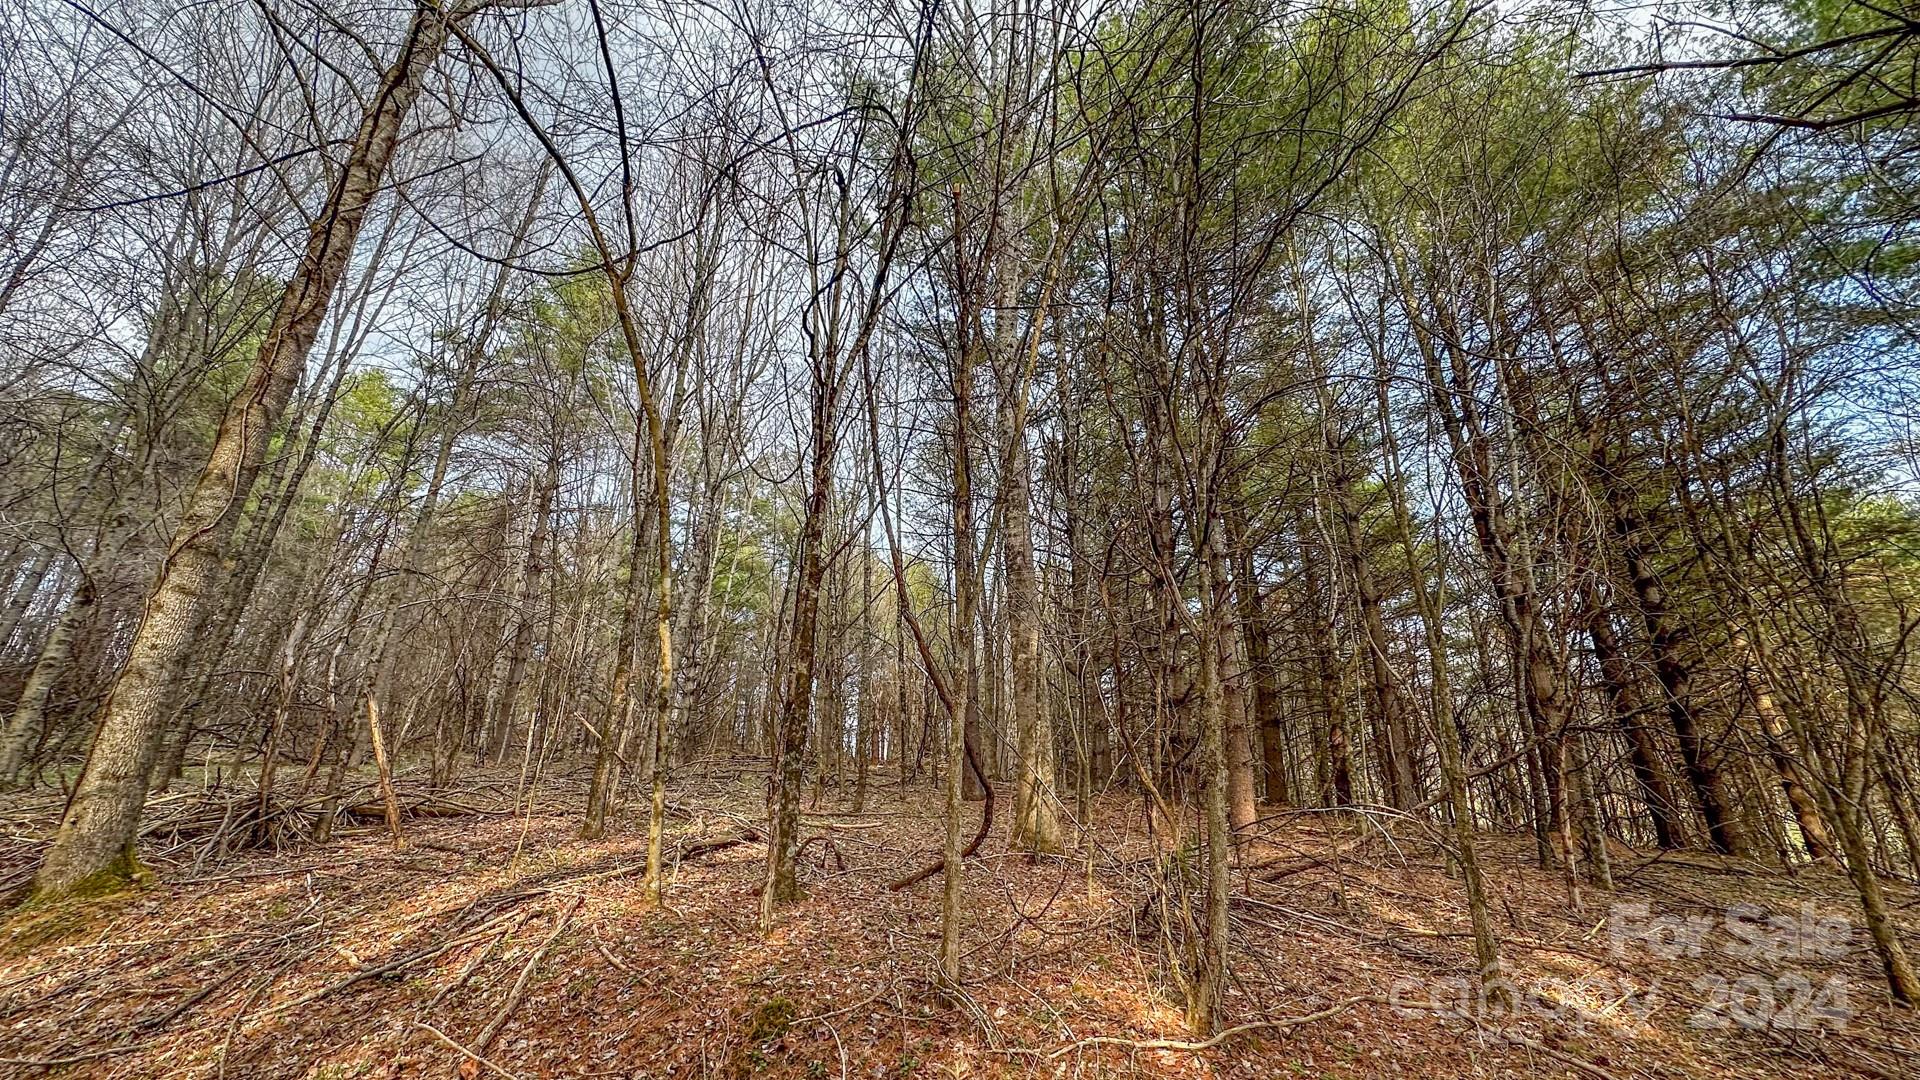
(94, 849)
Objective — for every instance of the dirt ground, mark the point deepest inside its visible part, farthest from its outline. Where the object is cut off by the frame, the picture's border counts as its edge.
(504, 936)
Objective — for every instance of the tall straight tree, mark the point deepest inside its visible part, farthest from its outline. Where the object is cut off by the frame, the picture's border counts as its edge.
(839, 318)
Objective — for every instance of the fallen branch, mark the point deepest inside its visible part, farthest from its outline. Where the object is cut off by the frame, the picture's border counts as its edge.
(891, 987)
(466, 973)
(1514, 1037)
(1560, 1056)
(425, 808)
(175, 1012)
(614, 960)
(700, 848)
(520, 984)
(438, 1034)
(392, 965)
(1232, 1032)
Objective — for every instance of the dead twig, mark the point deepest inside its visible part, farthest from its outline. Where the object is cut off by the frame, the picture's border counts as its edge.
(520, 984)
(466, 973)
(438, 1034)
(1207, 1044)
(1513, 1037)
(391, 965)
(614, 960)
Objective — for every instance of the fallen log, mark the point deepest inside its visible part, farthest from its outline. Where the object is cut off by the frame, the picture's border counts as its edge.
(701, 848)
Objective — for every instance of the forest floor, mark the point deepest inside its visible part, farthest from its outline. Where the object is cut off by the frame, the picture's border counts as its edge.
(503, 935)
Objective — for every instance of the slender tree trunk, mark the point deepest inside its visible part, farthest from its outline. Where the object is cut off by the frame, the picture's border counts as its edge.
(866, 720)
(1843, 787)
(1590, 827)
(1814, 834)
(345, 744)
(1242, 805)
(472, 353)
(27, 724)
(1036, 818)
(790, 744)
(1665, 640)
(966, 663)
(24, 590)
(290, 657)
(1209, 982)
(1268, 723)
(609, 756)
(387, 798)
(1902, 979)
(1540, 674)
(1332, 755)
(1649, 770)
(506, 706)
(1383, 688)
(1445, 721)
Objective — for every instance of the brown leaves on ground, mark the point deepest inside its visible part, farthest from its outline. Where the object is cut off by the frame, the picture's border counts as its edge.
(355, 960)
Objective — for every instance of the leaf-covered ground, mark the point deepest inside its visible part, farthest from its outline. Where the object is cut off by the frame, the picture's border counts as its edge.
(502, 936)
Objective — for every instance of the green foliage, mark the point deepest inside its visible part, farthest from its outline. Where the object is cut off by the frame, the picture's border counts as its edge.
(369, 403)
(742, 570)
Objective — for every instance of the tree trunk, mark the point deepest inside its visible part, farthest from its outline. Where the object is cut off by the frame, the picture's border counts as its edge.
(1814, 835)
(1242, 805)
(23, 593)
(506, 706)
(1383, 688)
(1209, 982)
(1331, 754)
(26, 726)
(1665, 639)
(1539, 675)
(1036, 818)
(966, 663)
(1446, 723)
(796, 708)
(385, 771)
(1268, 724)
(609, 757)
(1649, 771)
(866, 720)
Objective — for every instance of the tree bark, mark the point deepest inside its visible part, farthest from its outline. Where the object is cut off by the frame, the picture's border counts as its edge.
(796, 707)
(1815, 837)
(506, 706)
(1383, 687)
(23, 593)
(1649, 770)
(1267, 721)
(1036, 818)
(1665, 639)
